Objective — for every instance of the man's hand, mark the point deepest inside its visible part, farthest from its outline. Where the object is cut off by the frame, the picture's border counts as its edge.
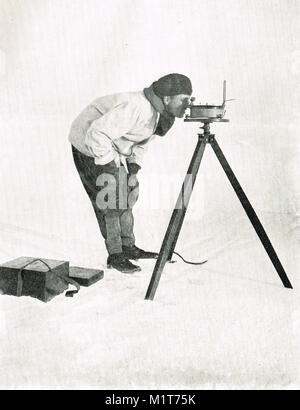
(117, 161)
(133, 189)
(133, 168)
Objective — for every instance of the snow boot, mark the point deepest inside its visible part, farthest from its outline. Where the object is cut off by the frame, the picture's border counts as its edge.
(135, 253)
(119, 262)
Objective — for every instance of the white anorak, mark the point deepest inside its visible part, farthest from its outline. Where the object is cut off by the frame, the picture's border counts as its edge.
(115, 127)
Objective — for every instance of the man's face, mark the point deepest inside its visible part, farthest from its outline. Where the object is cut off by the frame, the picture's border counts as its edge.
(177, 104)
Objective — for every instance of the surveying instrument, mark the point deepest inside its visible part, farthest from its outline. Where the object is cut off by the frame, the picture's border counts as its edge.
(207, 114)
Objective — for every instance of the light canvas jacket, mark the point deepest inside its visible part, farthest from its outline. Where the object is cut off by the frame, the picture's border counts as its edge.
(115, 127)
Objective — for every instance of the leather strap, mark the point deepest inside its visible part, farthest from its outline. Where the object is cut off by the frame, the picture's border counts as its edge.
(69, 281)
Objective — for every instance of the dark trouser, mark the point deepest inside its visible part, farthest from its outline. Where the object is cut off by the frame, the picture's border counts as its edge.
(115, 220)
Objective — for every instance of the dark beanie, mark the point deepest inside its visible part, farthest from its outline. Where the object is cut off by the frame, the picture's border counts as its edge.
(172, 84)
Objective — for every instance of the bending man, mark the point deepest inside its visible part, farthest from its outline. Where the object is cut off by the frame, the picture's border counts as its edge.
(108, 140)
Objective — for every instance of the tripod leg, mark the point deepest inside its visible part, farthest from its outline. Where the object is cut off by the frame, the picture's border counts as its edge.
(176, 220)
(251, 215)
(185, 194)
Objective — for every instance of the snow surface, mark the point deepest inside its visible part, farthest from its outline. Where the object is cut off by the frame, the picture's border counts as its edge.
(226, 324)
(229, 324)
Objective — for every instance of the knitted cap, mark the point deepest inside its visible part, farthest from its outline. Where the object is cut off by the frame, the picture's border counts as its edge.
(172, 84)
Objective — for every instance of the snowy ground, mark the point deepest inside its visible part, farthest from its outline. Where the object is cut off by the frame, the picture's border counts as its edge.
(227, 324)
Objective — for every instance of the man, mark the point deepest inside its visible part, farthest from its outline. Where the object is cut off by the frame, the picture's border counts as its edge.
(108, 141)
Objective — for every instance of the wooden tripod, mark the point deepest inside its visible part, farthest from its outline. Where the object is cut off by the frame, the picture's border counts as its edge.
(176, 221)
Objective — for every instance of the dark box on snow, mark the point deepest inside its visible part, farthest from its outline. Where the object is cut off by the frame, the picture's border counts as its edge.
(35, 279)
(84, 276)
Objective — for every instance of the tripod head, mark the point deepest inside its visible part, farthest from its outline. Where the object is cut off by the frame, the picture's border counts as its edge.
(206, 135)
(205, 120)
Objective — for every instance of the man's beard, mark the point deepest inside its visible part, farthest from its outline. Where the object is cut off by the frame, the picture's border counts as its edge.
(179, 112)
(166, 108)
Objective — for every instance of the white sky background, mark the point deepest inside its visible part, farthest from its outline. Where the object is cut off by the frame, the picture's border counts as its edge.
(60, 54)
(213, 324)
(57, 56)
